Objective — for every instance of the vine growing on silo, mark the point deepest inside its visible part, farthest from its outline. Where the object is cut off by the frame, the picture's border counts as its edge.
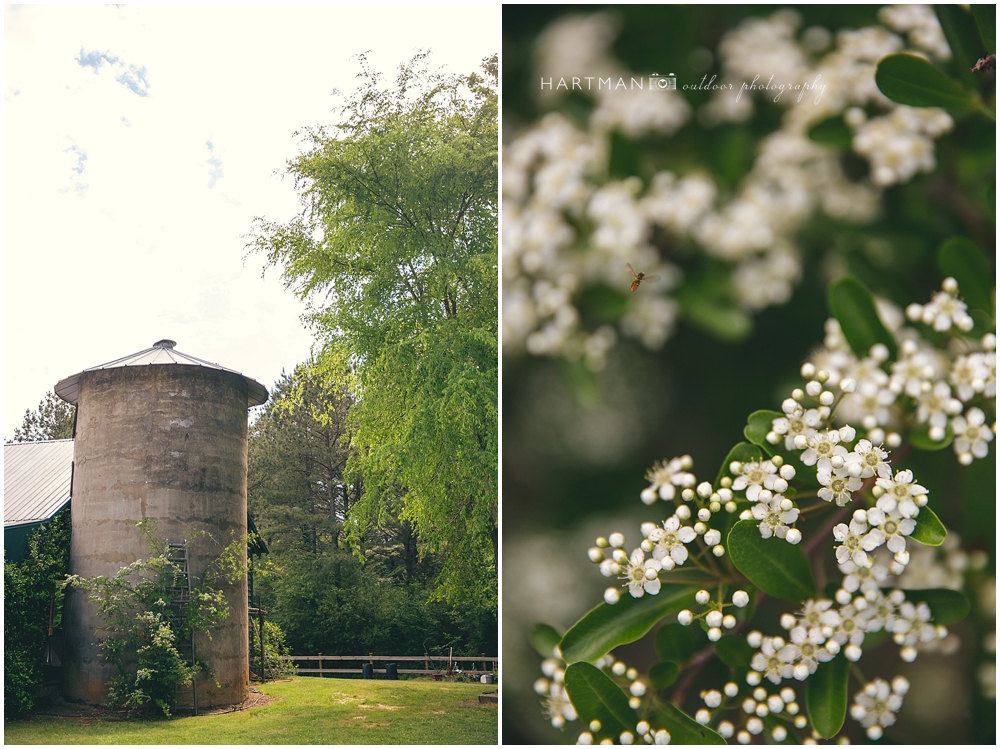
(143, 622)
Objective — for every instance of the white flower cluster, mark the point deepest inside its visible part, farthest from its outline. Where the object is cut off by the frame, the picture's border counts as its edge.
(876, 705)
(922, 29)
(648, 734)
(567, 227)
(946, 387)
(557, 705)
(756, 708)
(713, 616)
(664, 545)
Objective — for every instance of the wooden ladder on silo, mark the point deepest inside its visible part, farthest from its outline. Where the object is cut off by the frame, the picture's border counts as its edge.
(180, 597)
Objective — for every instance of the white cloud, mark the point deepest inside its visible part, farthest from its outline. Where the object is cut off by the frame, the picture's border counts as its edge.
(125, 214)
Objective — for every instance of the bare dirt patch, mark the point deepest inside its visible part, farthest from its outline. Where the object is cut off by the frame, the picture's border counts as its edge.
(381, 707)
(256, 699)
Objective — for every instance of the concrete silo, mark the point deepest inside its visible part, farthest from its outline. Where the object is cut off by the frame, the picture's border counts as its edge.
(160, 435)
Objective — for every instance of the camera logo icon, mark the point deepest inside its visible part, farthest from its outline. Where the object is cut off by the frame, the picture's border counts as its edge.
(663, 82)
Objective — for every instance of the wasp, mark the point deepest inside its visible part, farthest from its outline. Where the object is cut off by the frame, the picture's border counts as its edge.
(638, 278)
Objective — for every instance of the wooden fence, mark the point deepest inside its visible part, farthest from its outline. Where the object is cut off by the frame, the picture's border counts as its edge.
(477, 665)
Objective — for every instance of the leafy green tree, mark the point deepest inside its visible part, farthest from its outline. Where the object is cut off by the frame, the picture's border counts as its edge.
(396, 246)
(52, 420)
(297, 454)
(30, 593)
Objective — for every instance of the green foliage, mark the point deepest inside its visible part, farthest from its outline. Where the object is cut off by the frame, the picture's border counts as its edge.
(297, 452)
(929, 531)
(908, 79)
(596, 697)
(275, 648)
(608, 626)
(399, 232)
(322, 597)
(663, 674)
(947, 606)
(544, 639)
(684, 730)
(853, 305)
(832, 132)
(959, 258)
(330, 603)
(734, 651)
(826, 696)
(52, 420)
(143, 622)
(986, 21)
(677, 643)
(920, 436)
(775, 566)
(30, 591)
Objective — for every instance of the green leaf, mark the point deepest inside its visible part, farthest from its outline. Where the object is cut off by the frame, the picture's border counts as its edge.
(826, 696)
(911, 80)
(608, 626)
(852, 304)
(959, 258)
(716, 317)
(959, 29)
(734, 651)
(677, 643)
(742, 451)
(758, 425)
(596, 697)
(682, 728)
(948, 606)
(986, 21)
(921, 438)
(544, 639)
(775, 566)
(930, 531)
(663, 674)
(832, 132)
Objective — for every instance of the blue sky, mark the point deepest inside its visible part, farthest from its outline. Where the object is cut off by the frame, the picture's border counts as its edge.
(139, 144)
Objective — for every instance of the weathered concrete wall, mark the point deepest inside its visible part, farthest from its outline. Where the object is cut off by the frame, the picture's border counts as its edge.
(167, 443)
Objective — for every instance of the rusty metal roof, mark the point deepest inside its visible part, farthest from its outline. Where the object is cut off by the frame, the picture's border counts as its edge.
(37, 480)
(162, 352)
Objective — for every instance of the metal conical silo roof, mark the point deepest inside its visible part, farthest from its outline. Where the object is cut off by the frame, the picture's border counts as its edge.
(162, 352)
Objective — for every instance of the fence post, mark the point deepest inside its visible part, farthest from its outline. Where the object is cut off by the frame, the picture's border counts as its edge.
(320, 659)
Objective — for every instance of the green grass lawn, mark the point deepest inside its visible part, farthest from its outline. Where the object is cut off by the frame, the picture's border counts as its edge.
(307, 711)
